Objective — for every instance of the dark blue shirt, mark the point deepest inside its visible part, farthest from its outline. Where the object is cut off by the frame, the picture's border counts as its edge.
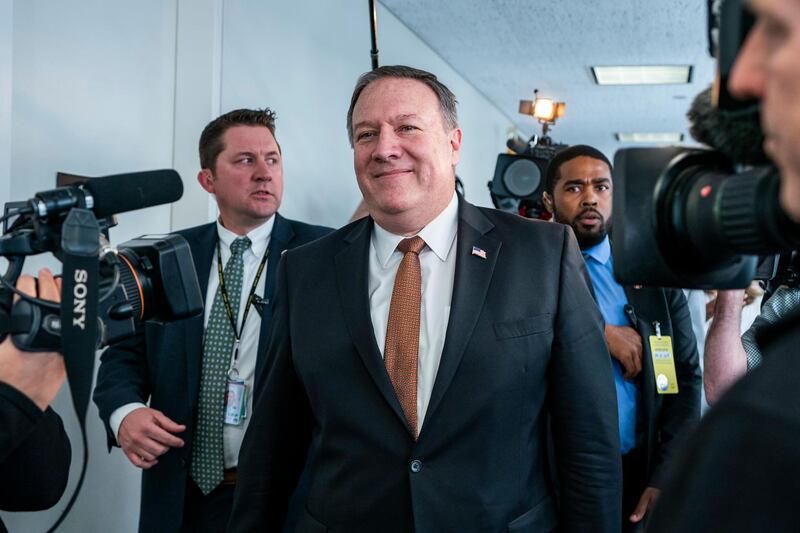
(611, 299)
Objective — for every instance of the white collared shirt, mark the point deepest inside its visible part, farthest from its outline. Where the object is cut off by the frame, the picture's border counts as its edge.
(248, 347)
(438, 265)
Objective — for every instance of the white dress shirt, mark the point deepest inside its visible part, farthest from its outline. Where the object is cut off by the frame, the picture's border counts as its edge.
(438, 265)
(248, 347)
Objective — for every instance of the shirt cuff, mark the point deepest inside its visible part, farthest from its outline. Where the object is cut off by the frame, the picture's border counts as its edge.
(116, 418)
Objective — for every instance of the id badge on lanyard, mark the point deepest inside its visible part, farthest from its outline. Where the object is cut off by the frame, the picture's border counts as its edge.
(663, 362)
(236, 389)
(235, 399)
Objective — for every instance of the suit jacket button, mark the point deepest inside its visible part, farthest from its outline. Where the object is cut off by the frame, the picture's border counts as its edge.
(416, 465)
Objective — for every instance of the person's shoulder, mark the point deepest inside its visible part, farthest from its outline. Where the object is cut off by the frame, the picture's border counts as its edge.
(195, 232)
(781, 336)
(307, 232)
(330, 240)
(513, 225)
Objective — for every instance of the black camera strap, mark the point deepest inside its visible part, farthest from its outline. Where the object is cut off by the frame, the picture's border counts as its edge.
(237, 332)
(80, 237)
(80, 243)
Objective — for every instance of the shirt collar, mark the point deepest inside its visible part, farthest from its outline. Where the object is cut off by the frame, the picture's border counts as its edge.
(600, 252)
(438, 234)
(259, 237)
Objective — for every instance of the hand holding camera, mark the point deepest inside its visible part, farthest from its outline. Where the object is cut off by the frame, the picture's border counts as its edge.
(38, 375)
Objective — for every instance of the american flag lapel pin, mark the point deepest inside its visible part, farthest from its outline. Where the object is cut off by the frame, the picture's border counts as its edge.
(480, 252)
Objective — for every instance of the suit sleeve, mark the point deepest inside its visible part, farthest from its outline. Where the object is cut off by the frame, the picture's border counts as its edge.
(122, 379)
(35, 454)
(583, 406)
(679, 412)
(276, 443)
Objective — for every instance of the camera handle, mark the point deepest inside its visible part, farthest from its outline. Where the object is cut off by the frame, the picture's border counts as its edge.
(33, 328)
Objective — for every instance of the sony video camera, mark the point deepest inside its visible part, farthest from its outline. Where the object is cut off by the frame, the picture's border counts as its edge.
(697, 218)
(105, 291)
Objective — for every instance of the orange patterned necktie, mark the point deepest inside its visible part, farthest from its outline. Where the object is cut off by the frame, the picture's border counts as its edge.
(402, 331)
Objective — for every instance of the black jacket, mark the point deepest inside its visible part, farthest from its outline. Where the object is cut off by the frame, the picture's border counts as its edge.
(667, 419)
(741, 469)
(35, 454)
(524, 340)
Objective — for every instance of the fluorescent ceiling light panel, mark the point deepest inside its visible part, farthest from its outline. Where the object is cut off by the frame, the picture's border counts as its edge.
(642, 74)
(661, 138)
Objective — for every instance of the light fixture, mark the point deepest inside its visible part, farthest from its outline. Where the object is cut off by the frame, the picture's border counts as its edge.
(659, 138)
(545, 110)
(642, 74)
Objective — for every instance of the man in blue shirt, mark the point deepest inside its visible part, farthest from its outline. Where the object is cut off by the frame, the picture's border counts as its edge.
(658, 399)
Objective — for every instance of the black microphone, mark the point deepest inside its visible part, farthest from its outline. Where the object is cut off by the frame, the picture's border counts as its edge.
(110, 195)
(737, 135)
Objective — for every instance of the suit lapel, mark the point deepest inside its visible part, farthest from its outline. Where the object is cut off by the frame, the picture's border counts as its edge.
(352, 274)
(282, 235)
(202, 247)
(470, 285)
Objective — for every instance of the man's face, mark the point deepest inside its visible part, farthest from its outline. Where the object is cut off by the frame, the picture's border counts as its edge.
(768, 68)
(404, 156)
(248, 178)
(582, 199)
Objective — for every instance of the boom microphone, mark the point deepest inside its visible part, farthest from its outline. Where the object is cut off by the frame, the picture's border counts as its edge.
(110, 195)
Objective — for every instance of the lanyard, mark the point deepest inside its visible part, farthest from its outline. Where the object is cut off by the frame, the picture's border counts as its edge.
(229, 311)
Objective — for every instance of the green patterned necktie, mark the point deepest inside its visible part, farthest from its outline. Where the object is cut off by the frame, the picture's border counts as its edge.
(207, 451)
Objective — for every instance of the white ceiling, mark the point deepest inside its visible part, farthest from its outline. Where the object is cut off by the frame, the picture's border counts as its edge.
(507, 48)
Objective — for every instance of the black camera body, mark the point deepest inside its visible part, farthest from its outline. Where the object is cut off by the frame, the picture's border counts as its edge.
(519, 177)
(684, 218)
(106, 294)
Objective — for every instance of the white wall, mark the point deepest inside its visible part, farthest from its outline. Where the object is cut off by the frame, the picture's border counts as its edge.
(92, 93)
(304, 64)
(107, 86)
(6, 40)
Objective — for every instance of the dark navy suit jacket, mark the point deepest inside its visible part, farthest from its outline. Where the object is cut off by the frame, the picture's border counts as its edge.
(162, 365)
(524, 341)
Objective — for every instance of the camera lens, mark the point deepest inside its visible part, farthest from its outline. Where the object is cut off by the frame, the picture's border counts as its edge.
(716, 214)
(522, 177)
(134, 277)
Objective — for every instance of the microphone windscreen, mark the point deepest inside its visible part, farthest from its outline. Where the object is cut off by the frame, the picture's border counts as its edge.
(127, 192)
(737, 135)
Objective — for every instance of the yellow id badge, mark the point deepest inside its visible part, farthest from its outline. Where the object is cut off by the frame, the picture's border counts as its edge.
(663, 364)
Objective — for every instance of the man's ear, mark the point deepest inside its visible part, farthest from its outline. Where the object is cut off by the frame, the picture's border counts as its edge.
(455, 144)
(547, 200)
(206, 180)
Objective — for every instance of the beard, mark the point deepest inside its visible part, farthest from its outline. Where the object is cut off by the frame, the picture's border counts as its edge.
(586, 237)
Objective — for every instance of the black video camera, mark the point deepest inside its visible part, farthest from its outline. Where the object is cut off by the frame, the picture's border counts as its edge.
(518, 180)
(105, 291)
(696, 218)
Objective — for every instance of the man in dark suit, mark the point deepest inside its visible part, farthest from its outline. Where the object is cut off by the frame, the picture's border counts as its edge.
(656, 406)
(197, 373)
(418, 352)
